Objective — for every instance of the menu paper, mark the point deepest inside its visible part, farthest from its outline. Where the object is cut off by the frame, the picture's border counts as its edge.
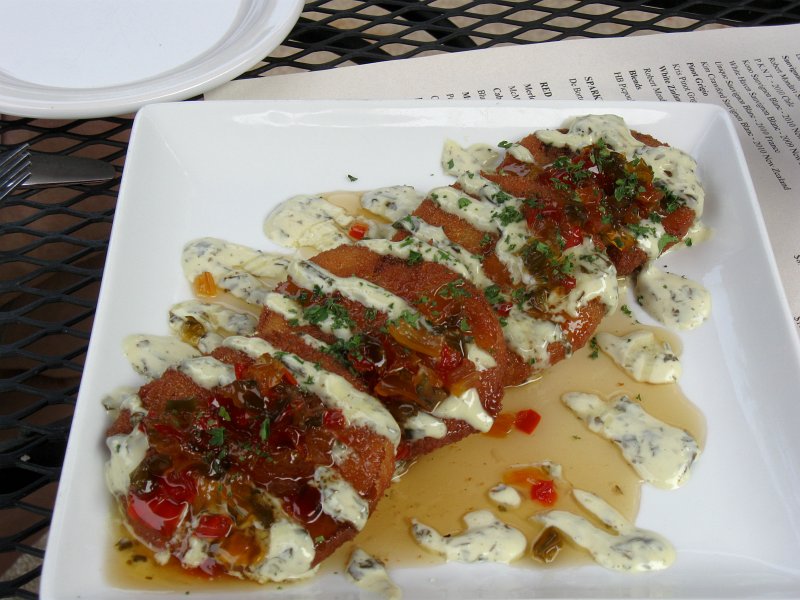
(754, 73)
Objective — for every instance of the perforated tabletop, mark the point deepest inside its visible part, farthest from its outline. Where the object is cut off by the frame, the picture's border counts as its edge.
(53, 241)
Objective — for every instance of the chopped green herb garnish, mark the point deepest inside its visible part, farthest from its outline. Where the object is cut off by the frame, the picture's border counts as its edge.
(508, 215)
(626, 188)
(595, 347)
(217, 436)
(559, 185)
(500, 197)
(641, 230)
(464, 202)
(414, 257)
(493, 295)
(410, 317)
(330, 308)
(454, 289)
(665, 240)
(263, 432)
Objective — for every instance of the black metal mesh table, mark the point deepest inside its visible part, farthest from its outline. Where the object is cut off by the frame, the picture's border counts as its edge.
(53, 242)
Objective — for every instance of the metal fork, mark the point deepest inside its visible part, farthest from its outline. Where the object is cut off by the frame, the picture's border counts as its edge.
(15, 168)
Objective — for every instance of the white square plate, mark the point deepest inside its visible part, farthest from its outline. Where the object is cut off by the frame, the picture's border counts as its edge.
(216, 169)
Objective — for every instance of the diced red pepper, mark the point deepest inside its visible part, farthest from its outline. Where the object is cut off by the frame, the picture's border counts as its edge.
(553, 214)
(572, 234)
(239, 369)
(213, 526)
(449, 358)
(358, 230)
(527, 420)
(504, 308)
(333, 418)
(568, 282)
(403, 451)
(544, 492)
(178, 486)
(160, 514)
(677, 223)
(289, 378)
(167, 430)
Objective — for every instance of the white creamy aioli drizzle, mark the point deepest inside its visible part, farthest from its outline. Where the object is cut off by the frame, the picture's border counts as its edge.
(196, 553)
(422, 425)
(474, 159)
(308, 221)
(370, 574)
(661, 454)
(127, 453)
(121, 399)
(217, 321)
(309, 275)
(649, 236)
(479, 357)
(629, 549)
(207, 371)
(340, 500)
(428, 252)
(451, 253)
(152, 355)
(505, 495)
(246, 273)
(291, 552)
(642, 356)
(466, 407)
(292, 311)
(595, 278)
(675, 301)
(393, 202)
(486, 539)
(489, 218)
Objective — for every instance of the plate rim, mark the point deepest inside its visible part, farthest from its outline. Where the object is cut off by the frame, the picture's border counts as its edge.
(220, 63)
(325, 105)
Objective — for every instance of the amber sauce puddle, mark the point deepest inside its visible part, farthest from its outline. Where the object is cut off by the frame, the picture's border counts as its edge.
(439, 489)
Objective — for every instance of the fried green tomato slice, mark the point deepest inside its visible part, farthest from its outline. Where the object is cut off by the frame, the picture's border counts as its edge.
(226, 476)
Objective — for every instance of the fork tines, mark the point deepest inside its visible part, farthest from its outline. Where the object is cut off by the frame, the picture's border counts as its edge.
(15, 168)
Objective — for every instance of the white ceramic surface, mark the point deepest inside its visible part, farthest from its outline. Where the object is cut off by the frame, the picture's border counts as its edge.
(217, 168)
(95, 58)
